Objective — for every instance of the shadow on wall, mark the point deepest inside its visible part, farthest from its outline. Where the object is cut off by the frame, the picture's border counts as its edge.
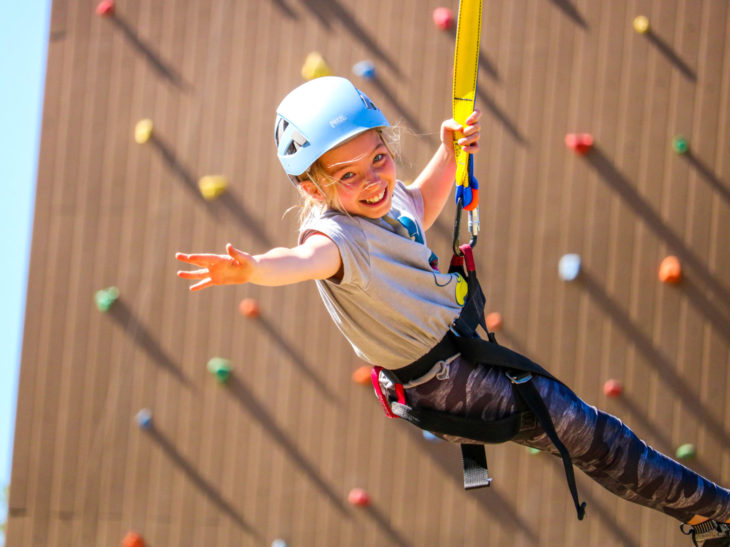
(155, 61)
(593, 506)
(671, 56)
(226, 202)
(571, 11)
(285, 9)
(390, 96)
(142, 336)
(713, 180)
(491, 501)
(201, 483)
(328, 10)
(246, 399)
(683, 388)
(501, 116)
(716, 292)
(291, 352)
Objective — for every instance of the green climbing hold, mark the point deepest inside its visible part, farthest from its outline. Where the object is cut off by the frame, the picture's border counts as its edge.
(220, 368)
(686, 451)
(533, 451)
(680, 144)
(105, 298)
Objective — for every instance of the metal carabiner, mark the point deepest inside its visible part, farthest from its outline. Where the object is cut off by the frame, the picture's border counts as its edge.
(473, 226)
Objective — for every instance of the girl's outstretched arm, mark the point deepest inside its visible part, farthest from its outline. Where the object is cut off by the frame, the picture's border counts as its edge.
(316, 258)
(437, 178)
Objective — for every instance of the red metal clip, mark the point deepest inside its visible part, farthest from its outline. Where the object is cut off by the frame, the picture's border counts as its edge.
(399, 391)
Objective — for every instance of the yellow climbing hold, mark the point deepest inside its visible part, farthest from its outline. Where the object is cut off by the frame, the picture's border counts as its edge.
(315, 67)
(641, 24)
(212, 186)
(143, 131)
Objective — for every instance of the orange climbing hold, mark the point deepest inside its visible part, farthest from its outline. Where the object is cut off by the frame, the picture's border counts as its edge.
(249, 307)
(105, 8)
(362, 375)
(670, 270)
(132, 539)
(359, 497)
(580, 143)
(494, 321)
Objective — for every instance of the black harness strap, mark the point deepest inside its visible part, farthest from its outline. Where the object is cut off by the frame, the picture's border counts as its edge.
(494, 432)
(474, 463)
(529, 394)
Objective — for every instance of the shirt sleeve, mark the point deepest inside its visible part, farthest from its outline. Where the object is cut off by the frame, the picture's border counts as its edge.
(412, 199)
(351, 243)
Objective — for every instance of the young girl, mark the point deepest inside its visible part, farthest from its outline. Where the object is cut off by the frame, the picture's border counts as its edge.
(363, 242)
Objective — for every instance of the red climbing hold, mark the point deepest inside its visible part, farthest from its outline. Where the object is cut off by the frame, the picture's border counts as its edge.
(443, 18)
(105, 8)
(580, 143)
(612, 388)
(670, 270)
(249, 307)
(132, 539)
(359, 497)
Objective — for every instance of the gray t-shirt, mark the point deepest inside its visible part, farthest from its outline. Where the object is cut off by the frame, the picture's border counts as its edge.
(390, 304)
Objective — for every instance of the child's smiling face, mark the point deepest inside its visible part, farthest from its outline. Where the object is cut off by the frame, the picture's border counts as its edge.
(364, 172)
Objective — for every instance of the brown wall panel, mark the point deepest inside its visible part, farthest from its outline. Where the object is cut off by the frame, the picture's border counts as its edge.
(275, 452)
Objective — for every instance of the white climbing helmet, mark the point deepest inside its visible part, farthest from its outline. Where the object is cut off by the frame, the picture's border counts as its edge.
(318, 116)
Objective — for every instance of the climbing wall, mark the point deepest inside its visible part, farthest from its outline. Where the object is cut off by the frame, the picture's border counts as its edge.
(157, 417)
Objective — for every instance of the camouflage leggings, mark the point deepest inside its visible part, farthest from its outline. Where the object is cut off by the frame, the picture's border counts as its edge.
(600, 444)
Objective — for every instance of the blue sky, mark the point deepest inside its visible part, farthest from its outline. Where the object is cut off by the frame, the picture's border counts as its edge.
(23, 46)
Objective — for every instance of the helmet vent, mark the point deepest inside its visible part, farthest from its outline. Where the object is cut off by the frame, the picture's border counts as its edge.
(297, 139)
(368, 103)
(280, 128)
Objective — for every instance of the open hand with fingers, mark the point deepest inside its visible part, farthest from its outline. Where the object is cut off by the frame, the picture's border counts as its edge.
(224, 269)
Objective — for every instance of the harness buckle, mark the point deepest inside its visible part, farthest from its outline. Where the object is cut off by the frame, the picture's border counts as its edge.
(519, 378)
(388, 379)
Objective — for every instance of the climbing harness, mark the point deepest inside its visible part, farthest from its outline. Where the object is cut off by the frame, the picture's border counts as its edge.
(461, 337)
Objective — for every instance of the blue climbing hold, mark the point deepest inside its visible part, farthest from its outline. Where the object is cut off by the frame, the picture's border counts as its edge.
(144, 418)
(364, 69)
(430, 437)
(569, 267)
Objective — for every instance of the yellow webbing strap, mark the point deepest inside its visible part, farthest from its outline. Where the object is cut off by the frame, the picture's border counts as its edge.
(466, 66)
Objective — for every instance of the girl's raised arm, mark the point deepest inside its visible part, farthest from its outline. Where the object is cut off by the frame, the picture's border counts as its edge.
(316, 258)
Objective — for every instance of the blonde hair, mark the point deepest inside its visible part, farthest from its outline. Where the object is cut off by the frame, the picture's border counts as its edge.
(312, 206)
